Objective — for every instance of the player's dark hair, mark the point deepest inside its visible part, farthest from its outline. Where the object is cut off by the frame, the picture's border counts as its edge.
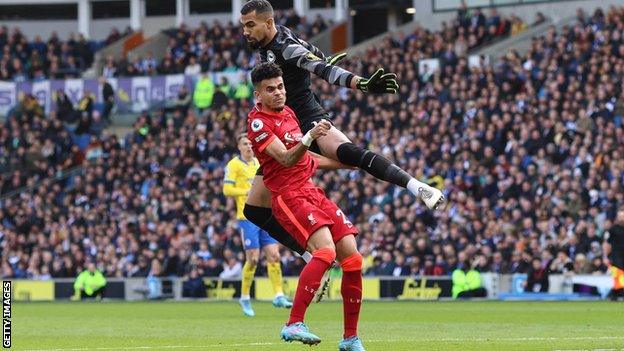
(265, 70)
(260, 6)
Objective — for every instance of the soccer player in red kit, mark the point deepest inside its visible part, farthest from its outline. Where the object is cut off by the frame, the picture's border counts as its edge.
(302, 208)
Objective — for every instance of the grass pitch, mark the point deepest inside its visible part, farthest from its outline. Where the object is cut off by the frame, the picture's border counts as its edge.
(387, 326)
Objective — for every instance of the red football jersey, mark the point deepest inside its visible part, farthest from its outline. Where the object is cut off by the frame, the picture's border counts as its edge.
(262, 128)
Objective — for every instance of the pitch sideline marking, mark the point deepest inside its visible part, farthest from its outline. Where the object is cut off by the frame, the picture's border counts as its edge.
(366, 341)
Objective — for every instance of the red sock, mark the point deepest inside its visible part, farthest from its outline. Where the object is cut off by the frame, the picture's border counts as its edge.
(351, 290)
(309, 282)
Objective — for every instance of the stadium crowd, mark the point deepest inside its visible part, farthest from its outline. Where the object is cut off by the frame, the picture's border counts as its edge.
(216, 48)
(528, 151)
(220, 48)
(23, 59)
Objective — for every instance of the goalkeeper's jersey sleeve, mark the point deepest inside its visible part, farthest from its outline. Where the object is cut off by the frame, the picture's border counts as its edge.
(297, 59)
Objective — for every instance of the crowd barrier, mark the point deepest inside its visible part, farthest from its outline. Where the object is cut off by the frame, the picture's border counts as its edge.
(374, 288)
(135, 94)
(132, 94)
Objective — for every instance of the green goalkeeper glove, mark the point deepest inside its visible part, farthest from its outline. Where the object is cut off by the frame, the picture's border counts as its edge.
(379, 83)
(334, 59)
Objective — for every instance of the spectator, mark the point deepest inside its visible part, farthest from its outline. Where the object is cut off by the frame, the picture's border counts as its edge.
(193, 68)
(498, 265)
(65, 108)
(598, 267)
(401, 268)
(581, 265)
(222, 94)
(113, 36)
(183, 100)
(232, 269)
(108, 95)
(537, 277)
(85, 105)
(562, 264)
(386, 266)
(194, 285)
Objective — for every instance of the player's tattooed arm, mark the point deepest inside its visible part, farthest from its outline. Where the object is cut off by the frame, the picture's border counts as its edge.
(328, 163)
(290, 157)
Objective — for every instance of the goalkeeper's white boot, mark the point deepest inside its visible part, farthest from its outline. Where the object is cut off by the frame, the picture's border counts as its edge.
(432, 197)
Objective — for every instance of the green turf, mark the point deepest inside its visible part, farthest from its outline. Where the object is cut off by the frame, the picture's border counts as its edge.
(386, 326)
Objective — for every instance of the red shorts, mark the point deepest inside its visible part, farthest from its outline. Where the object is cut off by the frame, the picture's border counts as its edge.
(303, 211)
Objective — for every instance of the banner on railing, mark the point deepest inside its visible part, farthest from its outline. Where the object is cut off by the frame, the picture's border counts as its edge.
(430, 66)
(373, 288)
(33, 290)
(132, 94)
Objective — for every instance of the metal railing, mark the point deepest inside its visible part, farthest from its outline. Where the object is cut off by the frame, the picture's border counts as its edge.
(454, 5)
(521, 43)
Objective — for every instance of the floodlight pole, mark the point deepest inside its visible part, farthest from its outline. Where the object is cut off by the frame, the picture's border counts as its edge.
(302, 7)
(342, 6)
(236, 8)
(135, 14)
(84, 18)
(182, 11)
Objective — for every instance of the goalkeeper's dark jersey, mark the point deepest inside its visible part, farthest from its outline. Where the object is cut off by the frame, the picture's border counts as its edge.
(297, 59)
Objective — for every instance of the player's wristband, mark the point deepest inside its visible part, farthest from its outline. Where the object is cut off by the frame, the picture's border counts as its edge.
(307, 139)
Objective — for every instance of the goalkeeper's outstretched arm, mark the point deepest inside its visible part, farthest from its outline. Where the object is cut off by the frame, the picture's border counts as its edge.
(301, 55)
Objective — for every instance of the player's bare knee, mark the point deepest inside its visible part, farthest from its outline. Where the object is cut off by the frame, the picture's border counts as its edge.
(325, 245)
(320, 239)
(271, 253)
(252, 257)
(346, 247)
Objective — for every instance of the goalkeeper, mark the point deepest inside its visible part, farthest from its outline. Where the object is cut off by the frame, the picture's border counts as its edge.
(298, 59)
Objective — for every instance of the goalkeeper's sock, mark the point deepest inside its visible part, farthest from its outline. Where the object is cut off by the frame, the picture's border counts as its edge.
(248, 274)
(309, 282)
(275, 276)
(375, 164)
(351, 290)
